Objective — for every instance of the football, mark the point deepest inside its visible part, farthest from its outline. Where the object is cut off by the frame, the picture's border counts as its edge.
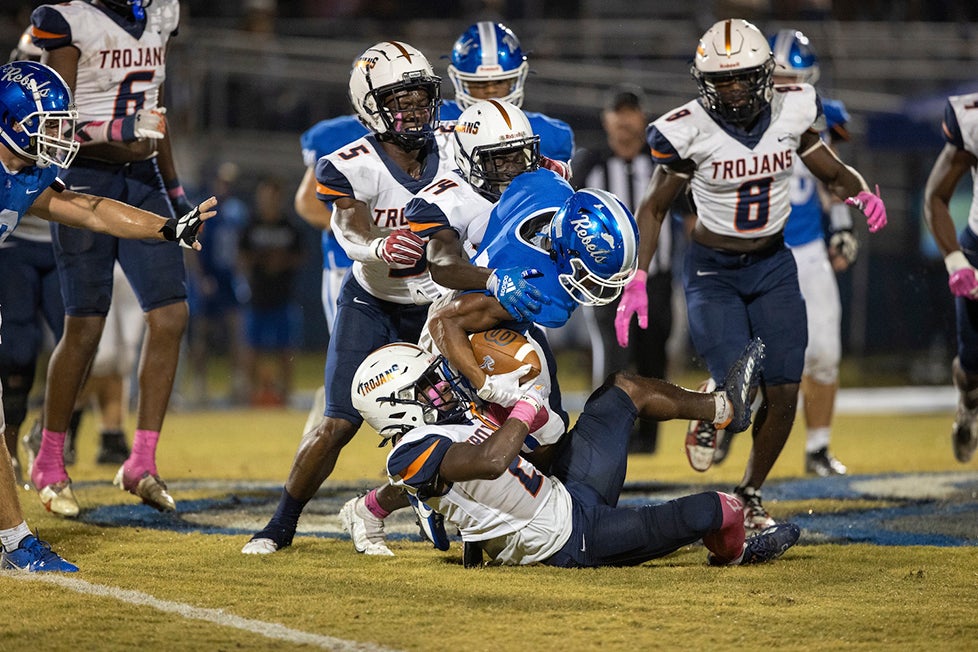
(501, 350)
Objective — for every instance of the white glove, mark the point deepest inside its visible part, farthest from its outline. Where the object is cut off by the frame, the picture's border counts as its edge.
(504, 389)
(149, 123)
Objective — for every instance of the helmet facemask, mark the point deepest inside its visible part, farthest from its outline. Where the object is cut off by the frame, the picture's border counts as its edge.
(127, 8)
(408, 110)
(736, 96)
(493, 167)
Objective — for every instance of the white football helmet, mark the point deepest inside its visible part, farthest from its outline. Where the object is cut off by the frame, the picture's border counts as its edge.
(392, 69)
(734, 50)
(493, 144)
(401, 386)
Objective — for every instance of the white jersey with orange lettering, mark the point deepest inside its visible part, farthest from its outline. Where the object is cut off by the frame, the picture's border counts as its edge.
(123, 62)
(363, 171)
(522, 517)
(961, 130)
(740, 184)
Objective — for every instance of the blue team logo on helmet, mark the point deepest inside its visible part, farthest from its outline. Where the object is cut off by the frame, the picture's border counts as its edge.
(124, 7)
(594, 242)
(37, 116)
(794, 56)
(487, 52)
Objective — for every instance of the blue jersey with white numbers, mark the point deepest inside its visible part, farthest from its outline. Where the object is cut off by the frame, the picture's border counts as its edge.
(556, 136)
(319, 140)
(805, 223)
(513, 238)
(19, 191)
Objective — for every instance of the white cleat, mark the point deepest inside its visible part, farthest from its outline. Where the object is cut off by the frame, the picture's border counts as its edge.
(58, 498)
(260, 547)
(365, 529)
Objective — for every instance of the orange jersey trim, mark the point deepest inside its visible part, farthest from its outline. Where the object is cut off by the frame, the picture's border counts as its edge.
(418, 462)
(39, 33)
(324, 190)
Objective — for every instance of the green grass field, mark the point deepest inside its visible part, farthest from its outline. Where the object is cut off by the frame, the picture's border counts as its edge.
(182, 590)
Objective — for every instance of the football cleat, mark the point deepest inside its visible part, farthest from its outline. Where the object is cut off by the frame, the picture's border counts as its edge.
(35, 556)
(756, 518)
(431, 523)
(259, 546)
(766, 546)
(113, 448)
(58, 498)
(472, 554)
(365, 529)
(738, 382)
(148, 487)
(701, 437)
(823, 464)
(964, 434)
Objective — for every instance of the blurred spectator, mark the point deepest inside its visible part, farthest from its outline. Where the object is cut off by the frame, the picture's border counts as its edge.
(271, 254)
(624, 168)
(218, 292)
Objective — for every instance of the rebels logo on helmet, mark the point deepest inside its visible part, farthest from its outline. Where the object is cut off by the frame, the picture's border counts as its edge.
(582, 226)
(16, 75)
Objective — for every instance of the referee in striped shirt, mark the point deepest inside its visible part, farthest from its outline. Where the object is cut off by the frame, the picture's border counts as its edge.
(624, 168)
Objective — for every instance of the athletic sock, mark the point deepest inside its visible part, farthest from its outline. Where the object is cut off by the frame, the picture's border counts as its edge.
(49, 465)
(143, 456)
(727, 542)
(10, 539)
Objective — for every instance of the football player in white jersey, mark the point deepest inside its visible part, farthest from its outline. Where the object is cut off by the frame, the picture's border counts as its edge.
(36, 142)
(385, 296)
(959, 156)
(735, 147)
(112, 54)
(469, 468)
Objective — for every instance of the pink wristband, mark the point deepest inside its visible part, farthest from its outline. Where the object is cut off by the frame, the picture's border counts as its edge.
(525, 411)
(175, 191)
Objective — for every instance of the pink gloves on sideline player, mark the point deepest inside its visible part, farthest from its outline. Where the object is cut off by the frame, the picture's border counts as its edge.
(872, 207)
(634, 301)
(962, 277)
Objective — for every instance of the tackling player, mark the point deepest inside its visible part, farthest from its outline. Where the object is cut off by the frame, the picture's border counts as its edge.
(735, 148)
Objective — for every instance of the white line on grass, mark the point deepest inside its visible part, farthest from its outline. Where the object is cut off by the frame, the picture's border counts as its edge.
(216, 616)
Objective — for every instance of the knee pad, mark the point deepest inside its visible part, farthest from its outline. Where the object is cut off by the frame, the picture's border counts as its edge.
(17, 383)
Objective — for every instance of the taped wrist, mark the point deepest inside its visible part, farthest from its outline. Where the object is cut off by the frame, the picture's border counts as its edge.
(955, 261)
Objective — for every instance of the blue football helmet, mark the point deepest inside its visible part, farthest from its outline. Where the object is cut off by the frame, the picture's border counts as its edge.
(794, 56)
(383, 77)
(37, 116)
(135, 8)
(488, 52)
(594, 242)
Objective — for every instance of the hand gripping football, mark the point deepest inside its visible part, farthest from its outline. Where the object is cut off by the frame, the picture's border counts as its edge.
(501, 350)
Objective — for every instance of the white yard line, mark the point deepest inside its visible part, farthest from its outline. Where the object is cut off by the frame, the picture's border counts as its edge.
(217, 616)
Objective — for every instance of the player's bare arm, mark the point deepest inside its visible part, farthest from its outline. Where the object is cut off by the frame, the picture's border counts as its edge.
(450, 325)
(842, 180)
(664, 186)
(449, 266)
(951, 164)
(308, 206)
(104, 215)
(488, 460)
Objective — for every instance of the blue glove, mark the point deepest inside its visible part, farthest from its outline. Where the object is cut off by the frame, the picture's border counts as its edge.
(519, 298)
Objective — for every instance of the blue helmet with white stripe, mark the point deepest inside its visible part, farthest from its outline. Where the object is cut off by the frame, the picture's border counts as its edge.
(594, 242)
(37, 115)
(488, 52)
(794, 56)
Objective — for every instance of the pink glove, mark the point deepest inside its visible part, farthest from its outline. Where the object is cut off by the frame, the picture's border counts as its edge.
(634, 301)
(401, 248)
(561, 168)
(872, 207)
(964, 283)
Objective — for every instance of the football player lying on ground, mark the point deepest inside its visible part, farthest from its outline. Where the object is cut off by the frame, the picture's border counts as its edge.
(471, 472)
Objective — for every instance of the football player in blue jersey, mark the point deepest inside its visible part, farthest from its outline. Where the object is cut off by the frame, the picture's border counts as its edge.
(958, 158)
(487, 63)
(37, 127)
(805, 234)
(735, 148)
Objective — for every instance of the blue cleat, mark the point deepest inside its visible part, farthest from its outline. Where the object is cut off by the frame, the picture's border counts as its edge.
(740, 378)
(35, 556)
(432, 523)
